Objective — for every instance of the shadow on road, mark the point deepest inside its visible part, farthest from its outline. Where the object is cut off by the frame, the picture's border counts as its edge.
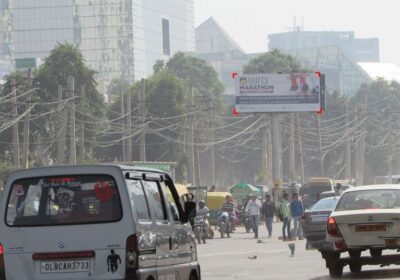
(367, 274)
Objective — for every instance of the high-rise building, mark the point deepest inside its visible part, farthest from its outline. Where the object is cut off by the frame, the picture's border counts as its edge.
(334, 53)
(6, 48)
(214, 45)
(358, 50)
(118, 38)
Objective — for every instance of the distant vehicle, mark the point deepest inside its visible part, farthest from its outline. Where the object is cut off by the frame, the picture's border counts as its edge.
(95, 222)
(365, 218)
(314, 186)
(328, 194)
(389, 179)
(314, 221)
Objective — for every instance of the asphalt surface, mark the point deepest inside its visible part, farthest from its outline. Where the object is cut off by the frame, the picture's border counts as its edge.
(243, 257)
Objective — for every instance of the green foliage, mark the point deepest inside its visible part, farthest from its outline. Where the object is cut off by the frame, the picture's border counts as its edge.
(199, 74)
(273, 62)
(379, 103)
(65, 60)
(165, 97)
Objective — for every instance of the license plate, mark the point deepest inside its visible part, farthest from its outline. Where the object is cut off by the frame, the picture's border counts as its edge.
(319, 218)
(391, 242)
(65, 266)
(369, 228)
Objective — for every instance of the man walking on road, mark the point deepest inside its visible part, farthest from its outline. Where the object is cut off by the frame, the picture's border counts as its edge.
(268, 211)
(297, 210)
(253, 208)
(284, 210)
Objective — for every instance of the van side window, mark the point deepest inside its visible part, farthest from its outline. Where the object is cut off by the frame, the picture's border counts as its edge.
(138, 200)
(171, 202)
(156, 202)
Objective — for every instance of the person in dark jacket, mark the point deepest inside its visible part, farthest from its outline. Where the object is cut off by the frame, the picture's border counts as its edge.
(297, 210)
(268, 211)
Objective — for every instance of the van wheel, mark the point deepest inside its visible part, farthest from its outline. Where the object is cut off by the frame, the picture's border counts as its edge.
(375, 253)
(355, 254)
(193, 276)
(355, 267)
(336, 271)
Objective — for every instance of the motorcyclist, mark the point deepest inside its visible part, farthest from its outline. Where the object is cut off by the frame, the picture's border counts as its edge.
(229, 207)
(202, 210)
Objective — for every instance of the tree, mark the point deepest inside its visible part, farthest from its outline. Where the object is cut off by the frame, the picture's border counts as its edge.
(67, 60)
(273, 62)
(378, 106)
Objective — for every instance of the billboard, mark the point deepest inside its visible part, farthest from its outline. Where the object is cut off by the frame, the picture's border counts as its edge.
(264, 93)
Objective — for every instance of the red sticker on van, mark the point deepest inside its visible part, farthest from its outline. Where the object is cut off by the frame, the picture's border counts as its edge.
(103, 191)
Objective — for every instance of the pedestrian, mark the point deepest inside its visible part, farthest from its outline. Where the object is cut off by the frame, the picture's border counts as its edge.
(268, 212)
(253, 208)
(297, 210)
(284, 209)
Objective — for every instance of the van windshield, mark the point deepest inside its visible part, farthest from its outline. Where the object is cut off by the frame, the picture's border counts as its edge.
(76, 199)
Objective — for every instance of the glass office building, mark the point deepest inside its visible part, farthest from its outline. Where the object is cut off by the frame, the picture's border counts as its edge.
(118, 38)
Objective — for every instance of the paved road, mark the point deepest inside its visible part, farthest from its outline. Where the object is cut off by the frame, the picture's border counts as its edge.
(223, 259)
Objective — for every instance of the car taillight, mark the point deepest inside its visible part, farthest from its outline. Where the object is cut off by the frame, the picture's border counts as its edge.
(132, 256)
(2, 268)
(332, 228)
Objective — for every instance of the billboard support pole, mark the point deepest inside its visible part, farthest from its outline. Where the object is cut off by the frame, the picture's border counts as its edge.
(276, 156)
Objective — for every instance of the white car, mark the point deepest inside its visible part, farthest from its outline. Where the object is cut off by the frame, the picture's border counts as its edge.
(365, 218)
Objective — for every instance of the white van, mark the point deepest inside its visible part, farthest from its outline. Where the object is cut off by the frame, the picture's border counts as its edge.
(95, 222)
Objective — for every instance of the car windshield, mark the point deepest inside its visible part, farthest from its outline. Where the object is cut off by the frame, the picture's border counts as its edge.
(324, 205)
(63, 200)
(369, 199)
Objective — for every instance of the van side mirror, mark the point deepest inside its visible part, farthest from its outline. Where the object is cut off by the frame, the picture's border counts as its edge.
(190, 210)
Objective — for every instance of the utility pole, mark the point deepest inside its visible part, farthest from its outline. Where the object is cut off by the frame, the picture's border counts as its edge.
(348, 143)
(192, 169)
(129, 127)
(276, 157)
(269, 152)
(321, 155)
(123, 145)
(71, 89)
(62, 124)
(81, 128)
(25, 151)
(15, 126)
(264, 153)
(300, 149)
(292, 151)
(143, 120)
(212, 150)
(361, 146)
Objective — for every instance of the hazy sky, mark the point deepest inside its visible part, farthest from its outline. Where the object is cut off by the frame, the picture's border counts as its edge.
(250, 21)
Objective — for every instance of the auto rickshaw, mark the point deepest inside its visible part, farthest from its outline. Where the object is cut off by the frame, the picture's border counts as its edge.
(214, 202)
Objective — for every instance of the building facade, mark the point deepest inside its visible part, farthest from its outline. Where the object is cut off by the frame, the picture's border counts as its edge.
(118, 38)
(358, 50)
(214, 45)
(6, 47)
(335, 54)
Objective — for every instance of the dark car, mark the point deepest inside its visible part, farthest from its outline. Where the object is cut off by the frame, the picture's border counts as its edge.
(314, 221)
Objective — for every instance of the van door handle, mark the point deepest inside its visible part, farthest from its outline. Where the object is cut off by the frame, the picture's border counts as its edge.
(170, 243)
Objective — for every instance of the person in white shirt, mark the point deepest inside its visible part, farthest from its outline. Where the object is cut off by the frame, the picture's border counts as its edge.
(253, 208)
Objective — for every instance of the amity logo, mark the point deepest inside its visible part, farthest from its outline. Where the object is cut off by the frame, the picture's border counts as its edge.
(255, 85)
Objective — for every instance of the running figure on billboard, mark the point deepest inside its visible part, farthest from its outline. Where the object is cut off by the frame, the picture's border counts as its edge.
(299, 81)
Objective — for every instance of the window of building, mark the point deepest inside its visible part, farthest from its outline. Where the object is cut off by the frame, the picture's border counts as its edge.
(165, 37)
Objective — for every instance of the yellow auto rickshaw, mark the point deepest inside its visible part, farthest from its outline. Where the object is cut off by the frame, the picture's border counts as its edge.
(214, 202)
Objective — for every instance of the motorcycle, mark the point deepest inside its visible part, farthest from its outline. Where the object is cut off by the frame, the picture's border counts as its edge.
(247, 222)
(199, 229)
(224, 225)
